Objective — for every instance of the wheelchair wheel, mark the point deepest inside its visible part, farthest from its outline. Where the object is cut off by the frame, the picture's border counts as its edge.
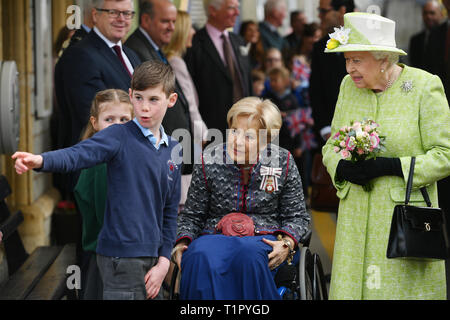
(306, 275)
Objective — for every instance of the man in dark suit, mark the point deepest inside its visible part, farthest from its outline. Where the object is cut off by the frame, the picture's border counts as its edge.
(438, 52)
(219, 64)
(293, 40)
(274, 13)
(438, 63)
(432, 16)
(324, 85)
(96, 63)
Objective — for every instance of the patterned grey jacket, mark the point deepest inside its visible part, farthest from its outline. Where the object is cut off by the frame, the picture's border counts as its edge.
(273, 197)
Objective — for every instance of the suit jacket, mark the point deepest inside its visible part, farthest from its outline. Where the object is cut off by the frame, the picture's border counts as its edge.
(84, 69)
(417, 50)
(178, 116)
(78, 36)
(212, 78)
(435, 52)
(271, 39)
(327, 72)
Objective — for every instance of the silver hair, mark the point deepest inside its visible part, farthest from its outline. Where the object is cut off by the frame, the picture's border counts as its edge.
(271, 5)
(214, 3)
(94, 3)
(392, 57)
(98, 3)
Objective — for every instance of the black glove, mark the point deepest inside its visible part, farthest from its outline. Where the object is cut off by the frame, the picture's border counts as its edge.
(362, 172)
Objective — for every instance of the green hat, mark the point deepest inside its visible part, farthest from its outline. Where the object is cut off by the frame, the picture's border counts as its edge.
(364, 32)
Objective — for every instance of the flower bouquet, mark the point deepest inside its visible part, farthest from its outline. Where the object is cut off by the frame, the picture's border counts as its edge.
(359, 141)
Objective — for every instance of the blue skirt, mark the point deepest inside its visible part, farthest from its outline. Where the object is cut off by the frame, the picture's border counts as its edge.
(218, 267)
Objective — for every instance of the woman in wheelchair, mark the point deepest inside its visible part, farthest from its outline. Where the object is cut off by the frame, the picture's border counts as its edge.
(245, 212)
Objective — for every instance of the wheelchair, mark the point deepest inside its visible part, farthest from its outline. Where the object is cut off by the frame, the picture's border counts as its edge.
(302, 281)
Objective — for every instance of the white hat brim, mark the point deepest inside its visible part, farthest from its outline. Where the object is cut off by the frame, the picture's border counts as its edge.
(365, 47)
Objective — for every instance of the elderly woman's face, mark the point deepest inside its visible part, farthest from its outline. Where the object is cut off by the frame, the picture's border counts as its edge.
(364, 69)
(243, 140)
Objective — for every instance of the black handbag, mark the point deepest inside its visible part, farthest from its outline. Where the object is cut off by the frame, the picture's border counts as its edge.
(418, 232)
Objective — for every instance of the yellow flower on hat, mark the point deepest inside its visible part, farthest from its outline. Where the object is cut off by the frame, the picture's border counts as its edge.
(332, 44)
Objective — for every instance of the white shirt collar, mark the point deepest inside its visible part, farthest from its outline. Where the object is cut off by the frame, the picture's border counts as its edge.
(107, 41)
(149, 134)
(149, 39)
(86, 28)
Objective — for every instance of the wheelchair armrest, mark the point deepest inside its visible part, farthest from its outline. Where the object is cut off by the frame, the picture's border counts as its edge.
(306, 239)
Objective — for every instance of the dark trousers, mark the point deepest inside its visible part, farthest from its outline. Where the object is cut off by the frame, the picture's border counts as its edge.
(123, 278)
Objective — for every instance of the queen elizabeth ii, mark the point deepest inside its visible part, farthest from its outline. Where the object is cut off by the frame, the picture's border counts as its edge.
(411, 108)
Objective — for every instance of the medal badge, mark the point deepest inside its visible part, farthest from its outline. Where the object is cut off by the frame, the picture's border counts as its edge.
(270, 177)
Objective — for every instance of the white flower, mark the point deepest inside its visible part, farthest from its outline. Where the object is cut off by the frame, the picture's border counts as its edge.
(340, 35)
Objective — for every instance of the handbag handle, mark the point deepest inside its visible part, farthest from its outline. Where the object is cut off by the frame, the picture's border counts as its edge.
(423, 190)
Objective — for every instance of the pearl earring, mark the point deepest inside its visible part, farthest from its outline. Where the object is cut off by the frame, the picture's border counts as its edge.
(382, 70)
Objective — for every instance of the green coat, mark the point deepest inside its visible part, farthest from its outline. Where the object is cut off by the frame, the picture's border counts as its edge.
(90, 194)
(415, 123)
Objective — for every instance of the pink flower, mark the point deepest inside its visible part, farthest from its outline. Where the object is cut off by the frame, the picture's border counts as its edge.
(337, 149)
(336, 136)
(345, 154)
(360, 151)
(342, 144)
(367, 128)
(374, 140)
(350, 144)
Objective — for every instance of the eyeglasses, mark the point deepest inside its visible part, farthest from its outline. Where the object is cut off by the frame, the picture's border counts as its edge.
(112, 13)
(324, 11)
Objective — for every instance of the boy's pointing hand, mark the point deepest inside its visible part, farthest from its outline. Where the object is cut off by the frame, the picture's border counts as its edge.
(26, 161)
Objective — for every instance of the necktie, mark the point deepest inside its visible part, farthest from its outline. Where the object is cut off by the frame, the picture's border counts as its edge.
(119, 54)
(234, 72)
(162, 56)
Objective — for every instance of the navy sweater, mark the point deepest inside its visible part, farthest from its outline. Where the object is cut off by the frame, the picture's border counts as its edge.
(143, 189)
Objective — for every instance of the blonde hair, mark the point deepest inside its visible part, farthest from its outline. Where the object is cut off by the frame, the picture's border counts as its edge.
(105, 96)
(177, 44)
(264, 111)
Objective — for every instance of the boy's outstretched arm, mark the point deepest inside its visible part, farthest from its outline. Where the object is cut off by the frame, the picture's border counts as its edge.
(26, 161)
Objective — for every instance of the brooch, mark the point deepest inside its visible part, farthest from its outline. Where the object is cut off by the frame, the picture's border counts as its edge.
(270, 176)
(407, 86)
